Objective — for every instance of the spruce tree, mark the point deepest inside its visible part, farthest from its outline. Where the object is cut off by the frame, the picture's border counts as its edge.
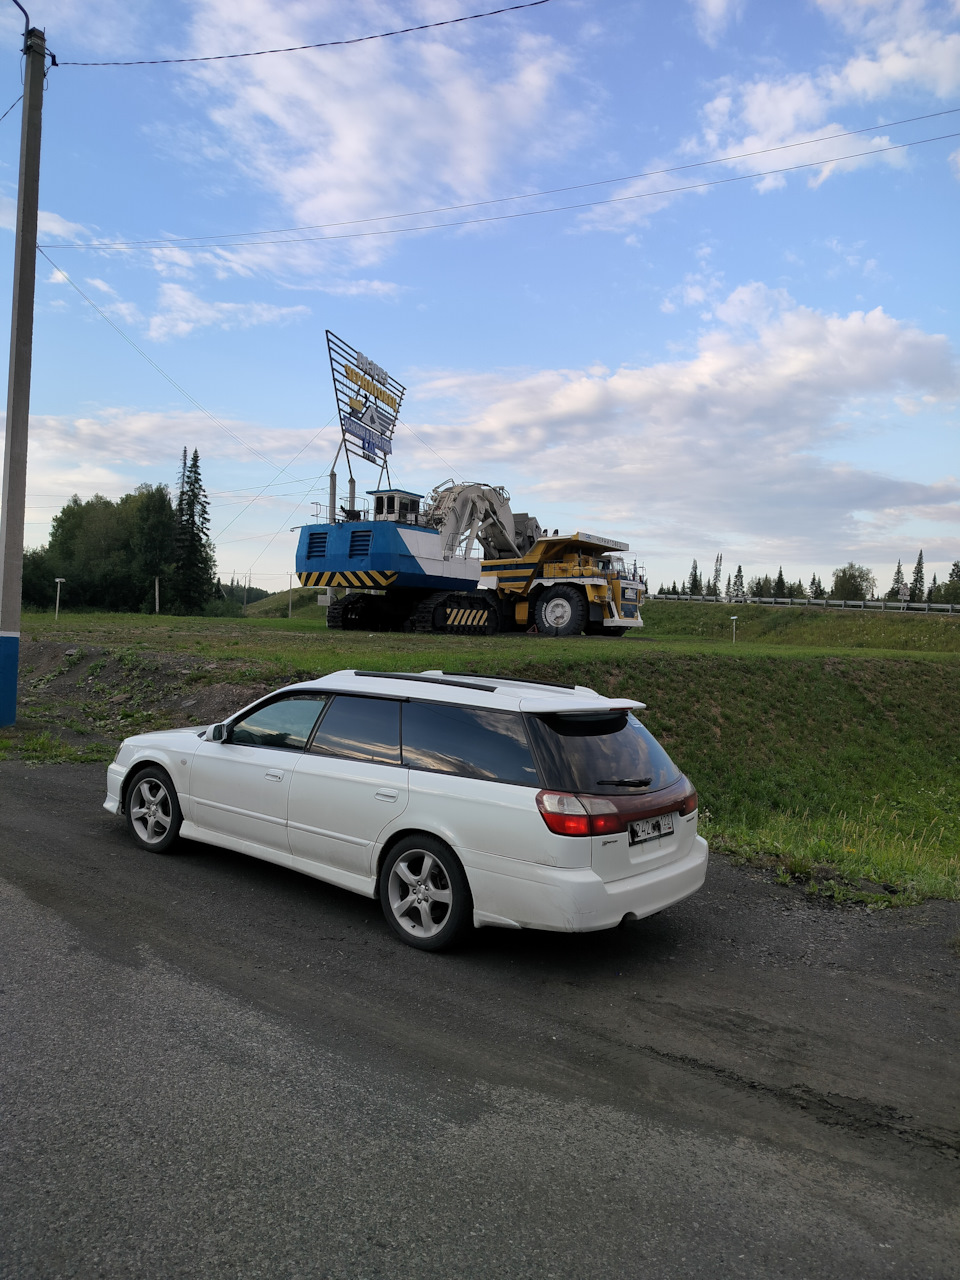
(728, 594)
(898, 581)
(738, 590)
(693, 582)
(780, 586)
(916, 584)
(193, 581)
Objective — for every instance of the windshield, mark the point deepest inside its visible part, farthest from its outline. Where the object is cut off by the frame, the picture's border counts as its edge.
(607, 754)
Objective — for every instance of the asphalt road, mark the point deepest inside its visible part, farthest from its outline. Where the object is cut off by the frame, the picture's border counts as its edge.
(216, 1067)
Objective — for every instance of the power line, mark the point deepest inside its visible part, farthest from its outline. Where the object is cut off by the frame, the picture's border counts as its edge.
(163, 374)
(584, 204)
(429, 446)
(233, 435)
(479, 204)
(325, 44)
(10, 108)
(267, 486)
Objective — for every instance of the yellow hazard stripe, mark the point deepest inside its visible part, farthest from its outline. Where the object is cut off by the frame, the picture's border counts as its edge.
(355, 578)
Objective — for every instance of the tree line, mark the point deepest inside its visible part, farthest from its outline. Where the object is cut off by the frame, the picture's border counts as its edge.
(129, 554)
(850, 582)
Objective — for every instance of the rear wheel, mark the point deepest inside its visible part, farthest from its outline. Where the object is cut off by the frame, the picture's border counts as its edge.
(424, 893)
(153, 810)
(561, 611)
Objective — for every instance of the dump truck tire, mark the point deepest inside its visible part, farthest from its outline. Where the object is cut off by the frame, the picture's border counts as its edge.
(561, 611)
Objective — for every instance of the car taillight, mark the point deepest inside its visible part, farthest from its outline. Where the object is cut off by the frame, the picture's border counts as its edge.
(563, 813)
(569, 815)
(689, 803)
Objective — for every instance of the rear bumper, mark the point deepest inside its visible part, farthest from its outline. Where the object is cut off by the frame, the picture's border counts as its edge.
(526, 896)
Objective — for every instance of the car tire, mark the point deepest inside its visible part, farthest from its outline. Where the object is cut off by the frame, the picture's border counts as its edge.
(153, 810)
(561, 611)
(424, 893)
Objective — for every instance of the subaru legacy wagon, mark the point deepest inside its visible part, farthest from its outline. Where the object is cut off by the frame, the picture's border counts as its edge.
(457, 800)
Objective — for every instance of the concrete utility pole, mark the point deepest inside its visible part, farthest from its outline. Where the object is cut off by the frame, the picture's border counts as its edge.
(18, 388)
(56, 611)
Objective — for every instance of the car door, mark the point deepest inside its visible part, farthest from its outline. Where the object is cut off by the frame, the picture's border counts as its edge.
(239, 786)
(346, 788)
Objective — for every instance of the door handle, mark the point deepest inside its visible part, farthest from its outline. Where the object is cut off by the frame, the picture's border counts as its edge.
(275, 775)
(386, 794)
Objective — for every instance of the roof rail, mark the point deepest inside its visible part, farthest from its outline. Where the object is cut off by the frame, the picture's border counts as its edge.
(552, 684)
(422, 679)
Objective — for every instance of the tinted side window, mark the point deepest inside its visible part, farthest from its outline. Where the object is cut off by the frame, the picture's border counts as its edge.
(286, 723)
(360, 729)
(469, 741)
(590, 755)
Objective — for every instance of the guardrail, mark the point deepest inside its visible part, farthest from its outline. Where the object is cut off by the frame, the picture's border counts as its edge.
(884, 606)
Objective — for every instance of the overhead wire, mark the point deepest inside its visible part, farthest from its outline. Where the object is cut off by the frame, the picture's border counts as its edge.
(566, 208)
(153, 364)
(163, 242)
(324, 44)
(193, 400)
(10, 108)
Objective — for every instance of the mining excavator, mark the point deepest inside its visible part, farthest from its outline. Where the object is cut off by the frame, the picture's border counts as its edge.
(463, 563)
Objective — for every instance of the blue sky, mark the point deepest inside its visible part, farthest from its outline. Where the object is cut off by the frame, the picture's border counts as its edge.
(766, 369)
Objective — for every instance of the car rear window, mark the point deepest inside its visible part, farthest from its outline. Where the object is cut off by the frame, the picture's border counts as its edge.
(360, 729)
(470, 741)
(593, 754)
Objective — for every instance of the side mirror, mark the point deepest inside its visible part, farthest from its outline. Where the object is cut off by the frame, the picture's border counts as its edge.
(216, 733)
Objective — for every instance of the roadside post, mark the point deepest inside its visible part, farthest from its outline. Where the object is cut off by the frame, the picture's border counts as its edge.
(14, 491)
(56, 612)
(733, 619)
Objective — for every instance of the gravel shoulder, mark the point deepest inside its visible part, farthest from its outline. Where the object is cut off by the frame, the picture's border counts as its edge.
(216, 1065)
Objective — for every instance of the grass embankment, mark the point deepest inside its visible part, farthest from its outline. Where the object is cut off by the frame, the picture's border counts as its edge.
(837, 765)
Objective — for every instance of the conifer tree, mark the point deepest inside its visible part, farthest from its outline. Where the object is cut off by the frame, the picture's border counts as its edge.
(738, 589)
(898, 581)
(932, 595)
(728, 594)
(780, 586)
(916, 584)
(193, 576)
(694, 584)
(673, 589)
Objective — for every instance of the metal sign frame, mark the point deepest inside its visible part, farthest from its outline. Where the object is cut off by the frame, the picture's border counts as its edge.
(368, 402)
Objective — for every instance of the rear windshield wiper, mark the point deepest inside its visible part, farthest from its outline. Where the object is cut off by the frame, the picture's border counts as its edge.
(623, 782)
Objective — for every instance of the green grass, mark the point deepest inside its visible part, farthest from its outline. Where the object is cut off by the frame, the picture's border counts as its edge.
(804, 627)
(822, 746)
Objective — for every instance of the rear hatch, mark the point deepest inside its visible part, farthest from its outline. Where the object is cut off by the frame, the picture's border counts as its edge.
(643, 811)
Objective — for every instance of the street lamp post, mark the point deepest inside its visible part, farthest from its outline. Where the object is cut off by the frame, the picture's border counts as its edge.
(733, 619)
(56, 612)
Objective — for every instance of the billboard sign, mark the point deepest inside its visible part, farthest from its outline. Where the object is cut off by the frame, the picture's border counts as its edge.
(368, 400)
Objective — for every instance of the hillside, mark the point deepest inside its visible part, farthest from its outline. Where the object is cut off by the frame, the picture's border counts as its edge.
(840, 768)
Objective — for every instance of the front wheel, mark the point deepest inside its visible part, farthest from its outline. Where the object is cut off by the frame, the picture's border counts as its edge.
(153, 810)
(424, 893)
(561, 611)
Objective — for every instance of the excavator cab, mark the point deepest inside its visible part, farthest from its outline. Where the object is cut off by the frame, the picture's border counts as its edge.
(397, 505)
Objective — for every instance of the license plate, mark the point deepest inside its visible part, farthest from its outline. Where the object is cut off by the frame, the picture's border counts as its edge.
(651, 828)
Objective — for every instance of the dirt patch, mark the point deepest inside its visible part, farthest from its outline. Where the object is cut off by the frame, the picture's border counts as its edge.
(81, 700)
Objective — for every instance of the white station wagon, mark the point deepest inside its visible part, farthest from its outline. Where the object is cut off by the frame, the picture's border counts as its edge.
(455, 799)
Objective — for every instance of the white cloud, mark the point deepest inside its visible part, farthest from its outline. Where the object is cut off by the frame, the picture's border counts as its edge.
(379, 127)
(181, 312)
(894, 47)
(712, 16)
(731, 440)
(48, 224)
